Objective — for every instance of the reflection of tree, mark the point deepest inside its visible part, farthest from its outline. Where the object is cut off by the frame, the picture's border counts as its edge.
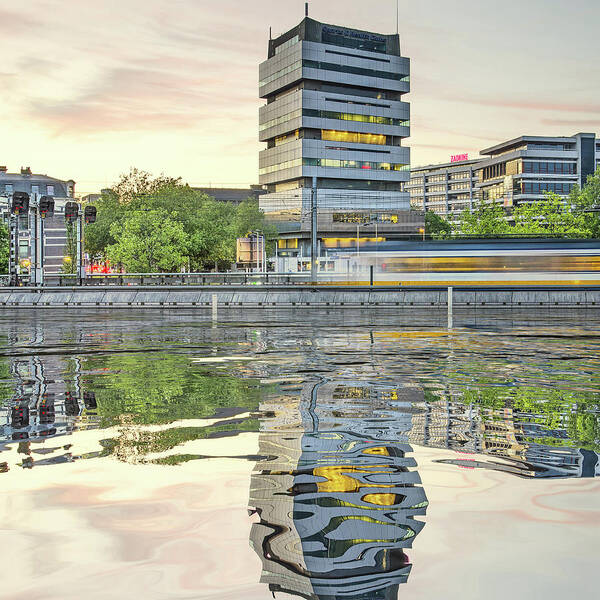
(549, 416)
(164, 388)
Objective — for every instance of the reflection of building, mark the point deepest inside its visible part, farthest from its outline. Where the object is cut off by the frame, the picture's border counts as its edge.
(519, 445)
(43, 403)
(336, 497)
(55, 233)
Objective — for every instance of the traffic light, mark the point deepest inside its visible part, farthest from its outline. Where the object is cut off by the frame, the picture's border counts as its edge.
(71, 405)
(89, 399)
(20, 416)
(46, 206)
(71, 212)
(89, 214)
(47, 412)
(20, 203)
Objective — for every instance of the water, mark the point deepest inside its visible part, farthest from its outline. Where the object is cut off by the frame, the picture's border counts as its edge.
(309, 454)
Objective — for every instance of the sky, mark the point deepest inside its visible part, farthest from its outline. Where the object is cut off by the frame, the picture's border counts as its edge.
(91, 88)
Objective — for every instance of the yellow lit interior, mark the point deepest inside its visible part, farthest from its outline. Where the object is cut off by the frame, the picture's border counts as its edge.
(356, 138)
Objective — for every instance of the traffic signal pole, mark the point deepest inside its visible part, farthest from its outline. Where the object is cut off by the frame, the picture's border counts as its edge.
(80, 265)
(13, 264)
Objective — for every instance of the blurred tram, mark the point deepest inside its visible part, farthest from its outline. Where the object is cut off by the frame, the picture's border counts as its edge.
(474, 262)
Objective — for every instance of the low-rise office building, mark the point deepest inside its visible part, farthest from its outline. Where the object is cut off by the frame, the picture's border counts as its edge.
(511, 173)
(55, 232)
(445, 188)
(524, 169)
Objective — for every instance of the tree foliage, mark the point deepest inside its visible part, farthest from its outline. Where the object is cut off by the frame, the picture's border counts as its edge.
(486, 220)
(577, 216)
(436, 226)
(4, 249)
(148, 242)
(210, 228)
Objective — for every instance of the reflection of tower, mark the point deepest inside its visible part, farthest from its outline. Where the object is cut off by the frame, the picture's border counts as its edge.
(335, 497)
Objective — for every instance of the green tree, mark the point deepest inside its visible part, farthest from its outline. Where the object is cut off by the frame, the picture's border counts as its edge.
(4, 249)
(148, 242)
(486, 220)
(586, 202)
(437, 227)
(70, 260)
(552, 216)
(210, 227)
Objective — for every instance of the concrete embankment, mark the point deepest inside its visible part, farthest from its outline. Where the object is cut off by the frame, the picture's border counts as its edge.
(293, 296)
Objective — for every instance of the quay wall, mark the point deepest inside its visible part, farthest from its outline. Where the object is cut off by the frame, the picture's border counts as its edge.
(282, 297)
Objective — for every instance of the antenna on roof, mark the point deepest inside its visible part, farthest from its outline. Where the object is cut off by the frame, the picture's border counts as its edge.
(270, 33)
(397, 17)
(306, 9)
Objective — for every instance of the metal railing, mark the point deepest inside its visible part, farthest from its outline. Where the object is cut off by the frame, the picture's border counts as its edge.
(178, 279)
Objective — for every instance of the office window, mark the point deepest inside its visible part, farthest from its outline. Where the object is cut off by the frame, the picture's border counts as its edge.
(356, 138)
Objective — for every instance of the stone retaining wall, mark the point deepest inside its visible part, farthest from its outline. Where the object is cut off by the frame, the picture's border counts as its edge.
(153, 297)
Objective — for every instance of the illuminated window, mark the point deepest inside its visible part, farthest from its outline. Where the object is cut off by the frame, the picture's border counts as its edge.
(355, 138)
(284, 139)
(330, 114)
(287, 244)
(353, 164)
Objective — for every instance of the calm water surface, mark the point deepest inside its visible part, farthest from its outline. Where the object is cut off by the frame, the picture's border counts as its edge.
(327, 455)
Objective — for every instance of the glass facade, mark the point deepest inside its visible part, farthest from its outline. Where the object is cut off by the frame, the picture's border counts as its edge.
(339, 116)
(353, 164)
(548, 167)
(287, 44)
(356, 138)
(563, 189)
(326, 66)
(329, 114)
(330, 163)
(369, 45)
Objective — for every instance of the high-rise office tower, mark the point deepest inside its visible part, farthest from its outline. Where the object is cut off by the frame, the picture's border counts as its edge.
(334, 116)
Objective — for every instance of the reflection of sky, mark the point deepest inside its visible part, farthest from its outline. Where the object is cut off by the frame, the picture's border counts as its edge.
(101, 529)
(174, 86)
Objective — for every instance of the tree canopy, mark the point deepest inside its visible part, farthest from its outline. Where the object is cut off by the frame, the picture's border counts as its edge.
(577, 216)
(3, 249)
(209, 228)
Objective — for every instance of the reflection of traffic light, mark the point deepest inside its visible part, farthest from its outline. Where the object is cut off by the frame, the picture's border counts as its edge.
(71, 405)
(71, 212)
(19, 417)
(20, 203)
(47, 412)
(46, 206)
(89, 214)
(89, 399)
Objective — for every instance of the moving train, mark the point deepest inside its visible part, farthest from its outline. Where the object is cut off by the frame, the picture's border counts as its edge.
(473, 262)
